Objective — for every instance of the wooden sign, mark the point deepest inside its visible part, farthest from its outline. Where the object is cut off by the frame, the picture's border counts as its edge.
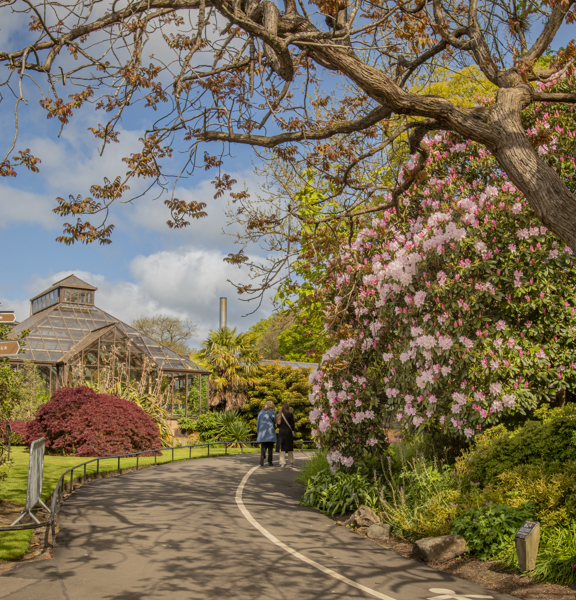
(527, 541)
(9, 348)
(7, 316)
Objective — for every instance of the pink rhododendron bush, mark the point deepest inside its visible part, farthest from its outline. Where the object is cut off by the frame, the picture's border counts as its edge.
(453, 310)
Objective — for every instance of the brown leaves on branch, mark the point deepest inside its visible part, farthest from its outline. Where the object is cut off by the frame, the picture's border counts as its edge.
(145, 163)
(85, 233)
(25, 158)
(63, 111)
(180, 210)
(242, 71)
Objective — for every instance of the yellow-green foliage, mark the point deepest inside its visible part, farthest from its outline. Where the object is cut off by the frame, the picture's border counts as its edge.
(461, 87)
(553, 493)
(280, 384)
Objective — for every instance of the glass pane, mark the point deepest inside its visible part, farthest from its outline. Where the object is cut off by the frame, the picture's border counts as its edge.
(91, 356)
(46, 332)
(34, 343)
(52, 345)
(72, 322)
(41, 355)
(56, 321)
(54, 378)
(91, 374)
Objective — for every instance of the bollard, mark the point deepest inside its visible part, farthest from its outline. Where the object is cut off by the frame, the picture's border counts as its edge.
(527, 540)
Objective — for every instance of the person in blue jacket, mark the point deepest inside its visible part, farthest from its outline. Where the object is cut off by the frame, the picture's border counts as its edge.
(266, 431)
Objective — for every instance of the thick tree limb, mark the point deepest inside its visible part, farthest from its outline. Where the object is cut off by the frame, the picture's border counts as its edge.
(373, 117)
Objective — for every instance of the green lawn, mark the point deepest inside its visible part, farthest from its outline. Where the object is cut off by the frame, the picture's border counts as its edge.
(13, 489)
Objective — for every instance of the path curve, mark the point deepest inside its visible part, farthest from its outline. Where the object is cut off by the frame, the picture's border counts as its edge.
(216, 528)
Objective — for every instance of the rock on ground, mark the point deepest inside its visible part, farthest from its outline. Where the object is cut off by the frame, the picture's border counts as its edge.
(439, 549)
(363, 517)
(378, 531)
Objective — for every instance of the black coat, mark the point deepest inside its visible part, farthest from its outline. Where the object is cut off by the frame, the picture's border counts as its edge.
(285, 436)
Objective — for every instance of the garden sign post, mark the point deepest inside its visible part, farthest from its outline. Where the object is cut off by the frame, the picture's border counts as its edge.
(35, 472)
(527, 541)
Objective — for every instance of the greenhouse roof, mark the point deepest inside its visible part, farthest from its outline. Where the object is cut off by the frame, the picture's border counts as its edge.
(60, 331)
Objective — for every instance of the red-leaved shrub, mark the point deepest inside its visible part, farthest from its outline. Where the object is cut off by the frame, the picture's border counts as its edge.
(80, 422)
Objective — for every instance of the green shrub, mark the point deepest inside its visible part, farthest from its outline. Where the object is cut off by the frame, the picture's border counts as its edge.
(488, 530)
(549, 440)
(236, 431)
(218, 426)
(556, 560)
(208, 425)
(440, 445)
(187, 424)
(340, 492)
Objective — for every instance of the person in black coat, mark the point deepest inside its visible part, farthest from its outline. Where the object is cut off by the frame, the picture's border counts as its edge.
(285, 422)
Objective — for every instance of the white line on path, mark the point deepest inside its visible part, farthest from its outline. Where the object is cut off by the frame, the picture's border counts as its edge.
(293, 552)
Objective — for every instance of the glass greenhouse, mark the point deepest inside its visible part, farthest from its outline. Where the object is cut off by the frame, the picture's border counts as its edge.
(73, 341)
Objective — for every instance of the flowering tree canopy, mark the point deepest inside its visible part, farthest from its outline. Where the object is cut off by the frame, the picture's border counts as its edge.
(452, 310)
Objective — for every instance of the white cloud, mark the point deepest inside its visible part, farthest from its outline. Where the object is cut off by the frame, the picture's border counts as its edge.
(186, 283)
(21, 206)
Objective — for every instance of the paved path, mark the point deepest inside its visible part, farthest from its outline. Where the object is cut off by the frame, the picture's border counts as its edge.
(218, 528)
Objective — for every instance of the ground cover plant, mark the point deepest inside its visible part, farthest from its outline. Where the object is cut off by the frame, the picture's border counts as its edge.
(454, 311)
(338, 493)
(425, 497)
(80, 422)
(489, 530)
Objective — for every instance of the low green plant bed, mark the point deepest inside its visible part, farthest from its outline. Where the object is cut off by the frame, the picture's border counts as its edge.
(490, 529)
(340, 492)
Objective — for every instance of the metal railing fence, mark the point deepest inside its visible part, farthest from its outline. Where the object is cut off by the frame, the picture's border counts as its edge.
(58, 494)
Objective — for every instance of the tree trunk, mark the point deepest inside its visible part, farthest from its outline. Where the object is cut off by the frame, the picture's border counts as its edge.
(542, 187)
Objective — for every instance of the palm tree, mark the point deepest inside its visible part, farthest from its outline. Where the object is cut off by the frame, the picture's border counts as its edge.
(234, 359)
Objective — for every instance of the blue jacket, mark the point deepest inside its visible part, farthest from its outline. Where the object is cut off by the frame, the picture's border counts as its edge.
(266, 426)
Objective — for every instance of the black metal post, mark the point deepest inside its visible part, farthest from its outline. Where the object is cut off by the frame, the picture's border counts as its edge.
(84, 481)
